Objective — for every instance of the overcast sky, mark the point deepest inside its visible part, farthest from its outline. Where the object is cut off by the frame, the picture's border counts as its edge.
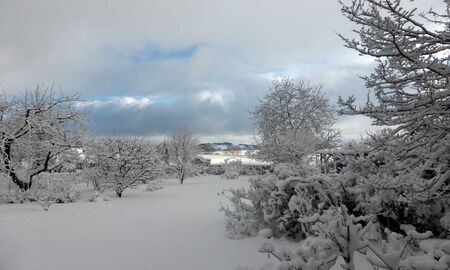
(152, 67)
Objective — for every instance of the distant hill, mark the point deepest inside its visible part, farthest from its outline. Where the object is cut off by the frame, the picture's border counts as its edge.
(226, 146)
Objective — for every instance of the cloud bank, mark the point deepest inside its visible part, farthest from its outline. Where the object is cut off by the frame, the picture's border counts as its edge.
(151, 67)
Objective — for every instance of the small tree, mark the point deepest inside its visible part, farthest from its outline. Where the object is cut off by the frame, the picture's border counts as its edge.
(293, 120)
(38, 133)
(182, 148)
(125, 162)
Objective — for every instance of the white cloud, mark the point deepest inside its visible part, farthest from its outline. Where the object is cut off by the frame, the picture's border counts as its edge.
(215, 97)
(134, 102)
(122, 102)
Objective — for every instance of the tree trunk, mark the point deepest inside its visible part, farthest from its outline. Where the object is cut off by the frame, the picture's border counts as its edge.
(24, 186)
(182, 179)
(119, 193)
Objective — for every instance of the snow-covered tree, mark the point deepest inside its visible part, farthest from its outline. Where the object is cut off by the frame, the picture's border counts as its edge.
(182, 149)
(39, 132)
(411, 84)
(293, 120)
(124, 162)
(92, 171)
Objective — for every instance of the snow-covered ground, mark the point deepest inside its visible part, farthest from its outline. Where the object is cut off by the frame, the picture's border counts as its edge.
(178, 227)
(220, 159)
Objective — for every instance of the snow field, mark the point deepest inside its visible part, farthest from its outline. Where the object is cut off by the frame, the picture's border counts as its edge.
(178, 227)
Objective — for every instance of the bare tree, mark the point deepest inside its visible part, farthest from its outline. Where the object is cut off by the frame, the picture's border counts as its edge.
(39, 133)
(183, 147)
(412, 87)
(124, 162)
(293, 120)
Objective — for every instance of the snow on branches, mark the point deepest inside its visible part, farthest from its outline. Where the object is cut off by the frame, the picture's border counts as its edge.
(122, 162)
(412, 87)
(181, 149)
(336, 234)
(293, 120)
(39, 132)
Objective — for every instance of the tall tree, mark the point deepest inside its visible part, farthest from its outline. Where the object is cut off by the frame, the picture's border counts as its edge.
(39, 132)
(293, 120)
(411, 84)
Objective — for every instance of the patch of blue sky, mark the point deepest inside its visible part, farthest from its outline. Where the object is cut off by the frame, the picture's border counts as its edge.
(165, 100)
(150, 53)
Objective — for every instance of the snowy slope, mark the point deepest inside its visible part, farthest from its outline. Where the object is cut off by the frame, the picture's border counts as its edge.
(178, 227)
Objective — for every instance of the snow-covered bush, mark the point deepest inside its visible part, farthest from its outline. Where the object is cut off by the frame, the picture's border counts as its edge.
(277, 200)
(202, 164)
(368, 186)
(16, 196)
(215, 169)
(55, 188)
(245, 216)
(49, 188)
(154, 185)
(336, 234)
(99, 197)
(61, 187)
(232, 168)
(249, 169)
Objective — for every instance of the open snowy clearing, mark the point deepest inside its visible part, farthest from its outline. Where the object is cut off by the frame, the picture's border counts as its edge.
(178, 227)
(220, 159)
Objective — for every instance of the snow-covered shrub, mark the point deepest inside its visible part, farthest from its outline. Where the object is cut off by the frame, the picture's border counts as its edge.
(56, 188)
(367, 188)
(276, 201)
(16, 196)
(100, 197)
(286, 170)
(215, 169)
(245, 216)
(249, 169)
(232, 168)
(445, 222)
(154, 185)
(336, 234)
(202, 164)
(48, 188)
